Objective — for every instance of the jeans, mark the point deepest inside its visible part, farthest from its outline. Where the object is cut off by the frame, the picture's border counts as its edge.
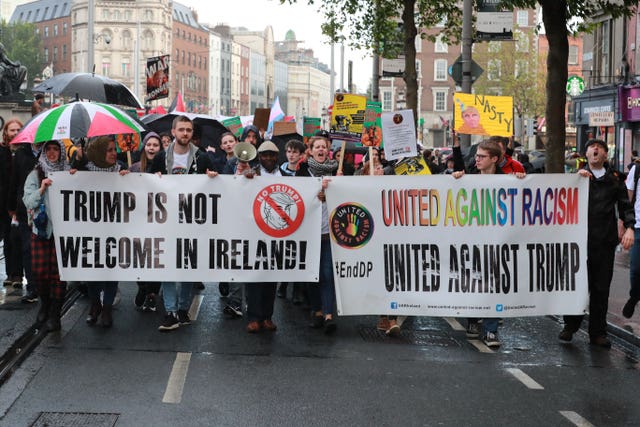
(174, 302)
(109, 289)
(634, 271)
(323, 294)
(235, 293)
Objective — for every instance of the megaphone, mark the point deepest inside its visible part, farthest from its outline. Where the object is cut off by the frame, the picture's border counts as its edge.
(244, 151)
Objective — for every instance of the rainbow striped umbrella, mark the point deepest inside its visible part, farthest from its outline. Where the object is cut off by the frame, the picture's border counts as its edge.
(77, 120)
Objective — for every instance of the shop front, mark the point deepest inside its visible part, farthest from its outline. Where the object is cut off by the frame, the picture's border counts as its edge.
(629, 105)
(597, 116)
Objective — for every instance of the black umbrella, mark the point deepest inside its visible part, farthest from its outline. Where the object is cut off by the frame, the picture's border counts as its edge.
(206, 127)
(89, 86)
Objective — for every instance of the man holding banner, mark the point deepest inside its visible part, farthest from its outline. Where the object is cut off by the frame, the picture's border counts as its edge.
(606, 193)
(182, 157)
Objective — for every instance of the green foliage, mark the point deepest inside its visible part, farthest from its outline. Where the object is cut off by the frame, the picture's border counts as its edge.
(23, 44)
(375, 25)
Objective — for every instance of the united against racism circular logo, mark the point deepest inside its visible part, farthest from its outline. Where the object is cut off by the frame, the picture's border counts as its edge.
(278, 210)
(351, 225)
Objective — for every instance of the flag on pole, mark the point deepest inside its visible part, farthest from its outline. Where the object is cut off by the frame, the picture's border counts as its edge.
(177, 104)
(276, 115)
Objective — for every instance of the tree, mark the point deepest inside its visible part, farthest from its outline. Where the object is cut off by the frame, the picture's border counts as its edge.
(515, 70)
(373, 25)
(372, 22)
(23, 44)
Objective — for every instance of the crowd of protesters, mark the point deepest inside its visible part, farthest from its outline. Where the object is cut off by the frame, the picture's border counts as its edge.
(29, 249)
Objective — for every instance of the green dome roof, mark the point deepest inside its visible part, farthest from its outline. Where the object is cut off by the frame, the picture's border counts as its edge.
(290, 35)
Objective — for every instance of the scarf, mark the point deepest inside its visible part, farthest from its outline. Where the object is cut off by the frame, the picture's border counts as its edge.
(93, 168)
(47, 166)
(322, 169)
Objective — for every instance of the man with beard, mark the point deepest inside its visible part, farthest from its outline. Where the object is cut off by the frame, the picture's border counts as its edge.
(181, 157)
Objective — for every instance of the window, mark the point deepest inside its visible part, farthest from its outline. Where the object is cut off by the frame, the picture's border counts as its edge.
(440, 69)
(573, 54)
(440, 46)
(522, 18)
(522, 42)
(493, 69)
(106, 14)
(439, 100)
(55, 54)
(126, 67)
(116, 15)
(148, 15)
(46, 31)
(494, 47)
(64, 52)
(55, 30)
(126, 39)
(521, 68)
(106, 66)
(46, 54)
(127, 15)
(64, 29)
(386, 100)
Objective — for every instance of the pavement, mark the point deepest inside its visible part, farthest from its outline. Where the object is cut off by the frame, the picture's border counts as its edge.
(628, 329)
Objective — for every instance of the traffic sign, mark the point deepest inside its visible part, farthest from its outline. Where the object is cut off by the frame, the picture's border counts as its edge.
(455, 71)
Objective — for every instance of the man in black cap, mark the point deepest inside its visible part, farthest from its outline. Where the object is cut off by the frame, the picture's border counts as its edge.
(606, 192)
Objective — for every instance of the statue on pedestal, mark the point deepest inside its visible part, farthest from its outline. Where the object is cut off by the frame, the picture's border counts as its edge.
(12, 74)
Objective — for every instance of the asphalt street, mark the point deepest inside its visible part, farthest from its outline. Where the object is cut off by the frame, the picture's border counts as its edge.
(213, 373)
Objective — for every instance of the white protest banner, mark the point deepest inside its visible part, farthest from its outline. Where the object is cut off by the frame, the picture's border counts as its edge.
(185, 228)
(478, 246)
(399, 134)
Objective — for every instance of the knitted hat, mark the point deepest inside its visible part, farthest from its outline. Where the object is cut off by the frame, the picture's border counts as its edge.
(97, 151)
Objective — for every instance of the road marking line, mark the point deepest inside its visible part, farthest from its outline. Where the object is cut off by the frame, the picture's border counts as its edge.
(525, 379)
(177, 378)
(455, 325)
(482, 348)
(576, 419)
(195, 307)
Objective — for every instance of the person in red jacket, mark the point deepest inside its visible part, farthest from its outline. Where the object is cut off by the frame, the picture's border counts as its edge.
(507, 164)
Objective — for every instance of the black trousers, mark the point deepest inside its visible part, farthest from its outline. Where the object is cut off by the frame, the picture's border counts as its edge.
(260, 299)
(600, 272)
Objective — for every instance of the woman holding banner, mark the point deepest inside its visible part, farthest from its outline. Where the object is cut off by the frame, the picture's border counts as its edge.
(145, 299)
(101, 156)
(323, 294)
(43, 250)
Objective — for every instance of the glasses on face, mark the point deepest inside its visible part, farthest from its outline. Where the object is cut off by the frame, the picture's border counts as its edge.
(481, 156)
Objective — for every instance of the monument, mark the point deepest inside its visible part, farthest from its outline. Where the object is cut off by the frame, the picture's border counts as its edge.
(12, 75)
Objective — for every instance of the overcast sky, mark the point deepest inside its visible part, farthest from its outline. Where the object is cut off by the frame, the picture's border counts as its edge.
(304, 20)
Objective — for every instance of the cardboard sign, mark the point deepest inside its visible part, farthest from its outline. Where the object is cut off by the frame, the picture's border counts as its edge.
(261, 118)
(283, 128)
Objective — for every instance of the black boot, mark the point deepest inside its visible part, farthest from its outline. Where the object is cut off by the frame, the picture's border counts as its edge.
(53, 323)
(94, 312)
(107, 316)
(43, 311)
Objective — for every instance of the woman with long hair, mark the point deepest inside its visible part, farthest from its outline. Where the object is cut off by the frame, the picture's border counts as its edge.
(151, 145)
(323, 294)
(11, 247)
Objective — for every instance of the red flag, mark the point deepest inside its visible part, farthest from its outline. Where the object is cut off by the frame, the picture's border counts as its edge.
(177, 104)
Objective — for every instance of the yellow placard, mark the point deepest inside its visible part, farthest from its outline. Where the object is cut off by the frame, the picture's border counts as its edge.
(483, 115)
(347, 116)
(412, 166)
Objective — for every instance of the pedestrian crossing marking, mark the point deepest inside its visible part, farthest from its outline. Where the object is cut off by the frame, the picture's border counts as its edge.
(525, 379)
(177, 378)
